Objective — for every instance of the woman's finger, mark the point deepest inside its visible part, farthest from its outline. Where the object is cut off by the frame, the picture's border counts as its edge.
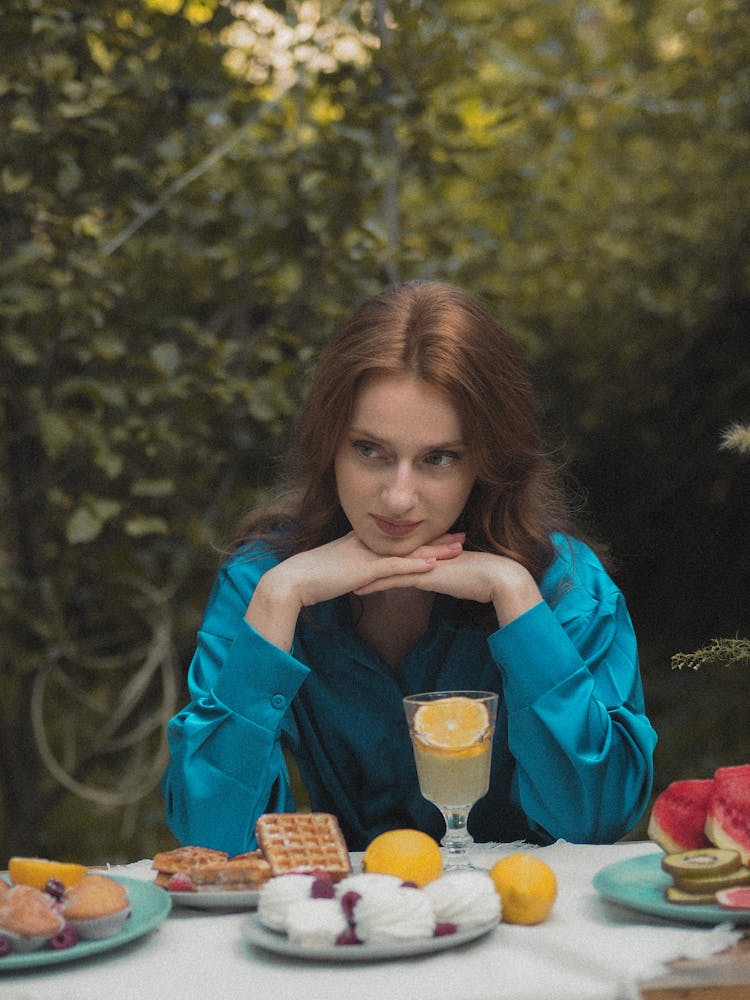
(406, 574)
(446, 547)
(392, 571)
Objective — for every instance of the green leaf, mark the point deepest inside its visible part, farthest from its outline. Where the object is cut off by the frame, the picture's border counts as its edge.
(87, 520)
(137, 527)
(153, 487)
(56, 432)
(19, 349)
(69, 176)
(25, 123)
(14, 183)
(167, 357)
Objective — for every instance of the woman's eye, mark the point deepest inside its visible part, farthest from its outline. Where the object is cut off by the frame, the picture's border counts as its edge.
(365, 449)
(441, 459)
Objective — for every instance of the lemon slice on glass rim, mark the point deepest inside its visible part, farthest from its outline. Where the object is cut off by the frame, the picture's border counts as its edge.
(452, 723)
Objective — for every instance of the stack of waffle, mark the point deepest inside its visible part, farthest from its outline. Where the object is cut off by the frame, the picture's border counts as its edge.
(202, 869)
(287, 842)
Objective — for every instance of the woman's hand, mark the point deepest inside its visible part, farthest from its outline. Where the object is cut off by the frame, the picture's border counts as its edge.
(472, 576)
(342, 566)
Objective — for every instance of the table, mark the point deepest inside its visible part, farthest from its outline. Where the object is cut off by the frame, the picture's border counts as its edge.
(588, 949)
(722, 977)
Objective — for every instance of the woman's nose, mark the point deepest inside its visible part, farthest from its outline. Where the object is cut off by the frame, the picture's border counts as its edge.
(400, 492)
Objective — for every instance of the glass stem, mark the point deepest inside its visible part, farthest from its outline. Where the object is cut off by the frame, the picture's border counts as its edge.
(457, 838)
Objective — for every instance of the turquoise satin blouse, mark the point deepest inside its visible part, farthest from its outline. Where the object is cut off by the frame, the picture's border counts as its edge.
(573, 748)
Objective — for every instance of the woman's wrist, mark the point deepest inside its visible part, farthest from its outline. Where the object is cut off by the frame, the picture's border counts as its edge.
(273, 611)
(515, 593)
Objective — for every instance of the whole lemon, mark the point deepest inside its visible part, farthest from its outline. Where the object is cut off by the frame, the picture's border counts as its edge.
(527, 887)
(410, 854)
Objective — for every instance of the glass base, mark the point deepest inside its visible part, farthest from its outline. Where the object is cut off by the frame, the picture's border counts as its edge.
(454, 865)
(456, 841)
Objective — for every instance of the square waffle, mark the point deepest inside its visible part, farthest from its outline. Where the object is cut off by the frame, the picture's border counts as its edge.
(184, 859)
(302, 841)
(242, 872)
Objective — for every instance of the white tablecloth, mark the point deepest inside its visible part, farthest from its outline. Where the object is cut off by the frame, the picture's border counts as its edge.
(586, 950)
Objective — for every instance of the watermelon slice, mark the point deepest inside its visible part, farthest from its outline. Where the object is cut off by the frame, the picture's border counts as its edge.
(678, 815)
(734, 899)
(728, 813)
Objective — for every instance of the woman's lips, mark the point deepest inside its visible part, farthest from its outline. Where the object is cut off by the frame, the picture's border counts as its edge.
(396, 529)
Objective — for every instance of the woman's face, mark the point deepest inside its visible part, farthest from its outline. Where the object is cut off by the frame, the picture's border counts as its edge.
(403, 469)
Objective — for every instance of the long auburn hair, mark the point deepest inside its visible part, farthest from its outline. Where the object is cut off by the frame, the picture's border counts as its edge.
(445, 337)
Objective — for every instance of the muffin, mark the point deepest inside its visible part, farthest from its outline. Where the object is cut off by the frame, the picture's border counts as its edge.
(97, 906)
(28, 917)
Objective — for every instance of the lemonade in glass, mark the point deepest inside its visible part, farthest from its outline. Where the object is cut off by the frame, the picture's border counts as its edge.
(451, 733)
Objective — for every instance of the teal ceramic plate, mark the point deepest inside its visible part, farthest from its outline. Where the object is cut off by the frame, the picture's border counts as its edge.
(149, 906)
(639, 884)
(255, 933)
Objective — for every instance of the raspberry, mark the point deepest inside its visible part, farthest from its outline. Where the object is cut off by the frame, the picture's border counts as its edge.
(322, 888)
(348, 901)
(320, 873)
(180, 882)
(348, 937)
(55, 888)
(5, 946)
(443, 928)
(65, 938)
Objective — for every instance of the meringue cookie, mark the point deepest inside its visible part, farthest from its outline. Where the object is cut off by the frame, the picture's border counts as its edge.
(364, 881)
(315, 922)
(393, 913)
(278, 894)
(464, 898)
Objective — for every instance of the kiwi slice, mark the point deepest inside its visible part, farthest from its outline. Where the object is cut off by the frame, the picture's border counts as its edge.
(712, 883)
(701, 863)
(675, 895)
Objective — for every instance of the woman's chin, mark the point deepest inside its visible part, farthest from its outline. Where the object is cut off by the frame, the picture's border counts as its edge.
(403, 548)
(385, 546)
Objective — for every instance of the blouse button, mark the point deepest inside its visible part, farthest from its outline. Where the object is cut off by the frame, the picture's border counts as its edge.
(278, 701)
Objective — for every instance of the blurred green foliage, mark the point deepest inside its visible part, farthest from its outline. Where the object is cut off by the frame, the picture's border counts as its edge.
(194, 193)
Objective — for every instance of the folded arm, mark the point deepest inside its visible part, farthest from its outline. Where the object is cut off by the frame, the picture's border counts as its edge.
(576, 721)
(226, 763)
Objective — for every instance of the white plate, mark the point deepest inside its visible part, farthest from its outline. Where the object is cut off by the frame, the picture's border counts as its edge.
(255, 933)
(226, 899)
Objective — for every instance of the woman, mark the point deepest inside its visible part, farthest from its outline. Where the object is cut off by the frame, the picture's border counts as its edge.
(426, 546)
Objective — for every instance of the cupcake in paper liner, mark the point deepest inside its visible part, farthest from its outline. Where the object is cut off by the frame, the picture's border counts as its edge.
(97, 906)
(28, 918)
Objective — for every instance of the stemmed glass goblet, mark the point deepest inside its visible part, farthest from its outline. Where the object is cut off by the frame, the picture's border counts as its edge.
(451, 734)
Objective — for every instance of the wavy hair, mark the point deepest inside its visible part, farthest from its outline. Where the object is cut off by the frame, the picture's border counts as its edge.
(445, 337)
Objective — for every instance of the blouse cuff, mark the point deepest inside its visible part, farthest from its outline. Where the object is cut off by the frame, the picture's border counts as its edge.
(534, 654)
(259, 680)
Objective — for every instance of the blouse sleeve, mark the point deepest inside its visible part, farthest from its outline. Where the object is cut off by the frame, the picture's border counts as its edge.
(226, 764)
(576, 719)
